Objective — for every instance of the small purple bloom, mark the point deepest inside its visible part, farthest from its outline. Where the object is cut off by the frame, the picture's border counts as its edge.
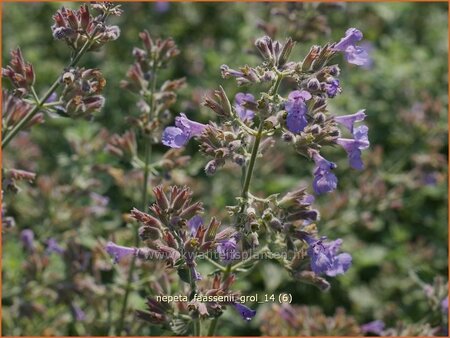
(324, 257)
(53, 247)
(78, 313)
(244, 113)
(118, 252)
(195, 274)
(245, 312)
(354, 146)
(324, 180)
(348, 121)
(354, 54)
(296, 109)
(193, 224)
(177, 137)
(227, 249)
(376, 327)
(52, 98)
(27, 238)
(161, 6)
(333, 88)
(174, 137)
(444, 305)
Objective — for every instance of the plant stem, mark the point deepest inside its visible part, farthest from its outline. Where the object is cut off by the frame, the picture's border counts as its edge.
(251, 165)
(213, 325)
(147, 155)
(247, 180)
(40, 102)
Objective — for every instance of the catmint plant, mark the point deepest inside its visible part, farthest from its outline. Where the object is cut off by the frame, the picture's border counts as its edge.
(154, 101)
(294, 112)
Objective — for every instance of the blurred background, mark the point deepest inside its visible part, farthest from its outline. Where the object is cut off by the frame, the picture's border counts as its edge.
(392, 216)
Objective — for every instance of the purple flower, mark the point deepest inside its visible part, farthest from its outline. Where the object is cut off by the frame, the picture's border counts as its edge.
(78, 313)
(194, 223)
(296, 109)
(444, 305)
(354, 146)
(161, 6)
(333, 88)
(52, 98)
(354, 54)
(177, 137)
(348, 121)
(53, 247)
(244, 113)
(324, 180)
(27, 238)
(376, 327)
(174, 137)
(324, 257)
(118, 252)
(244, 311)
(195, 274)
(227, 249)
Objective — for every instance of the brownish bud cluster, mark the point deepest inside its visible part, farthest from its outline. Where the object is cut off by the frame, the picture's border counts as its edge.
(76, 27)
(20, 73)
(80, 95)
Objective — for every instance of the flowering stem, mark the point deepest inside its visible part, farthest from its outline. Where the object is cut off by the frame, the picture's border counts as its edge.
(213, 325)
(40, 102)
(147, 155)
(251, 258)
(251, 165)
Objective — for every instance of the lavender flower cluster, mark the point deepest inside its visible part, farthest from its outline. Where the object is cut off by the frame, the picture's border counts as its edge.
(174, 231)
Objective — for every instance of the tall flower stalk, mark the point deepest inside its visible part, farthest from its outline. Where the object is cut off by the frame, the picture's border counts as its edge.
(174, 230)
(69, 26)
(142, 80)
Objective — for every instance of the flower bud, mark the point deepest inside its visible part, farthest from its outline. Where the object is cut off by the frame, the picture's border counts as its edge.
(239, 159)
(211, 168)
(147, 232)
(313, 84)
(287, 137)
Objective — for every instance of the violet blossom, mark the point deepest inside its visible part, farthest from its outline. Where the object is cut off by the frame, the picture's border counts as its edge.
(324, 180)
(194, 223)
(177, 137)
(325, 258)
(239, 101)
(53, 247)
(348, 121)
(353, 54)
(296, 109)
(244, 311)
(119, 252)
(27, 238)
(354, 146)
(375, 327)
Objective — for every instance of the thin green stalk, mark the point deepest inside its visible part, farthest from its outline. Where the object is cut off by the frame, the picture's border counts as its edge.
(147, 155)
(40, 102)
(247, 180)
(213, 325)
(251, 164)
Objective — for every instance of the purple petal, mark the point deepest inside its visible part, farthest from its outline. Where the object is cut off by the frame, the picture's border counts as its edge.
(54, 247)
(349, 120)
(194, 223)
(352, 36)
(376, 327)
(358, 56)
(174, 137)
(189, 127)
(27, 239)
(245, 312)
(119, 252)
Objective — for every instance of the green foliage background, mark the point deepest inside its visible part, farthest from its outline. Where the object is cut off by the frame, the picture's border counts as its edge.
(393, 223)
